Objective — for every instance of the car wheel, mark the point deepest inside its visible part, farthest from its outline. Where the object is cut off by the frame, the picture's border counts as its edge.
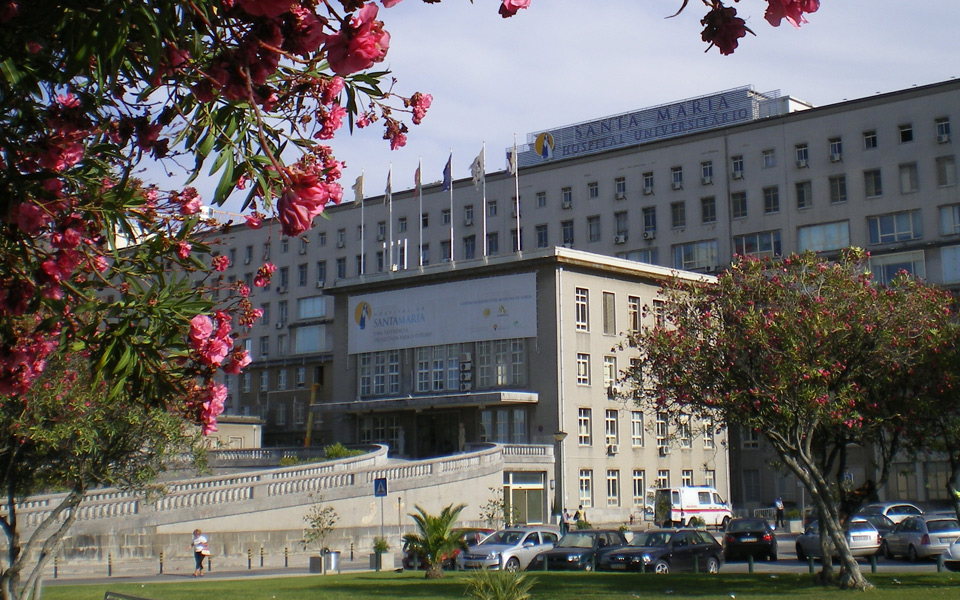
(588, 567)
(713, 565)
(513, 565)
(912, 554)
(772, 556)
(661, 567)
(801, 555)
(885, 548)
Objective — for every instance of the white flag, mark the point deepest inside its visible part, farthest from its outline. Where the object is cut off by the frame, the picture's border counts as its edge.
(477, 170)
(513, 157)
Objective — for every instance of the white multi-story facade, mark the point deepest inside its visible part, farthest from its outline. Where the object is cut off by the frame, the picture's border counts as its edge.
(681, 186)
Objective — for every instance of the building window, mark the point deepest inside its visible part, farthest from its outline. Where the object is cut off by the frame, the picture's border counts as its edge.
(736, 166)
(566, 233)
(771, 200)
(803, 155)
(402, 223)
(887, 267)
(566, 197)
(684, 433)
(769, 158)
(282, 345)
(710, 477)
(593, 190)
(341, 268)
(872, 183)
(609, 307)
(584, 427)
(321, 241)
(648, 183)
(265, 318)
(611, 429)
(906, 133)
(493, 243)
(908, 178)
(706, 172)
(659, 312)
(583, 368)
(445, 250)
(751, 438)
(708, 210)
(695, 255)
(541, 199)
(738, 205)
(425, 254)
(836, 149)
(379, 373)
(582, 309)
(639, 489)
(282, 379)
(943, 130)
(804, 195)
(636, 429)
(620, 184)
(838, 189)
(264, 346)
(950, 219)
(613, 487)
(500, 363)
(663, 478)
(677, 175)
(470, 247)
(663, 430)
(593, 228)
(895, 227)
(299, 413)
(322, 272)
(709, 435)
(824, 237)
(869, 139)
(302, 275)
(542, 238)
(686, 478)
(678, 214)
(621, 224)
(248, 255)
(610, 375)
(764, 244)
(586, 488)
(424, 220)
(245, 382)
(650, 218)
(264, 381)
(445, 216)
(946, 171)
(634, 312)
(280, 414)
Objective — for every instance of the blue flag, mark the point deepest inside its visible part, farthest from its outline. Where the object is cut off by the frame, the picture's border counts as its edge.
(447, 173)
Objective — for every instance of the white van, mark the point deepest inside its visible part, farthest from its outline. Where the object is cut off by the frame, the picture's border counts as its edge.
(678, 506)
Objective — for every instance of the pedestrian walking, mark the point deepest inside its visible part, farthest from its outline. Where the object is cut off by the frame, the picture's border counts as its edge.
(778, 504)
(201, 550)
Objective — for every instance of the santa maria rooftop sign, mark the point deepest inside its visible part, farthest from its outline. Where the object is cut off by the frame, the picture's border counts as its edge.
(650, 124)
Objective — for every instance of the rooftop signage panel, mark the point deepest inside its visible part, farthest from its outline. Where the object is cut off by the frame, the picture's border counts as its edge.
(647, 125)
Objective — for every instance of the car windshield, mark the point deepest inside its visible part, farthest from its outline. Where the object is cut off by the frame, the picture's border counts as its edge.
(877, 520)
(576, 540)
(939, 526)
(860, 526)
(505, 537)
(745, 525)
(649, 539)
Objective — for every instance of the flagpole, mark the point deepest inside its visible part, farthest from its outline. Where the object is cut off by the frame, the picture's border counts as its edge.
(516, 187)
(451, 208)
(483, 198)
(420, 213)
(363, 227)
(390, 214)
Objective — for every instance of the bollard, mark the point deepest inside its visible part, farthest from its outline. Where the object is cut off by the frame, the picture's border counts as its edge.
(939, 563)
(873, 563)
(750, 563)
(545, 567)
(351, 551)
(109, 565)
(696, 564)
(286, 557)
(810, 564)
(56, 566)
(249, 559)
(161, 563)
(261, 557)
(209, 565)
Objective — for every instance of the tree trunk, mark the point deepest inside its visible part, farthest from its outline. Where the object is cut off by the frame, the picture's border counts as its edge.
(434, 571)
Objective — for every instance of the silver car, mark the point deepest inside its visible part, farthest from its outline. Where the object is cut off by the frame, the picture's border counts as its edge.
(862, 539)
(510, 549)
(895, 511)
(921, 537)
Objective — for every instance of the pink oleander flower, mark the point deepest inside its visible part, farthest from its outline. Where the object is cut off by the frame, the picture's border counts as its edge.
(189, 201)
(331, 89)
(390, 3)
(510, 7)
(331, 120)
(214, 351)
(224, 326)
(238, 360)
(361, 43)
(264, 273)
(29, 217)
(420, 103)
(306, 33)
(183, 249)
(254, 221)
(244, 290)
(213, 399)
(305, 197)
(201, 328)
(398, 141)
(723, 28)
(265, 8)
(791, 10)
(8, 10)
(220, 263)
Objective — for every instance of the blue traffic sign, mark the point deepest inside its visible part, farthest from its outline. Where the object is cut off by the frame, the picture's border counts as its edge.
(380, 487)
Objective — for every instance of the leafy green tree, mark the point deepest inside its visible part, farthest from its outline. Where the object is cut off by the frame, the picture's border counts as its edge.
(811, 354)
(436, 539)
(321, 520)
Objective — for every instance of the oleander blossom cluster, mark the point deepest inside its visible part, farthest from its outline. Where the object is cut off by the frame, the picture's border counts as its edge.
(212, 345)
(723, 28)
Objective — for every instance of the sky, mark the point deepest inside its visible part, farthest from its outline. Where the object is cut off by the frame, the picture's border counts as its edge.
(567, 61)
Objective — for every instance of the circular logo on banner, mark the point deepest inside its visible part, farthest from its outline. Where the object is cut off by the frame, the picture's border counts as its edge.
(362, 313)
(544, 145)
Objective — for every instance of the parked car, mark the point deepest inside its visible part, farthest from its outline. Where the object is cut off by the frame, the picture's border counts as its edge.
(511, 549)
(895, 511)
(665, 551)
(883, 524)
(862, 539)
(749, 537)
(921, 537)
(951, 556)
(470, 536)
(579, 550)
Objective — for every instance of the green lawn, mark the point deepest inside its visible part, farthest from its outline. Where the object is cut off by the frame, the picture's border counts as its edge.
(548, 586)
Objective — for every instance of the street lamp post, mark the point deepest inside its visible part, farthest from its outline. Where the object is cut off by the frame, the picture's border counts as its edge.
(558, 472)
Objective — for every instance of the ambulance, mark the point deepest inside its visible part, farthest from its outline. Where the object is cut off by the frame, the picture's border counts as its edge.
(677, 507)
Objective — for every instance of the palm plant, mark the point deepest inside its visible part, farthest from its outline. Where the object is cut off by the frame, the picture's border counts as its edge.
(436, 540)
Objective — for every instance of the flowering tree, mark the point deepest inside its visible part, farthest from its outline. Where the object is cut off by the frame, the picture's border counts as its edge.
(723, 28)
(812, 355)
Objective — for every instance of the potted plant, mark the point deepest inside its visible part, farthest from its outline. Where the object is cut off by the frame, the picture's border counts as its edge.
(320, 521)
(381, 547)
